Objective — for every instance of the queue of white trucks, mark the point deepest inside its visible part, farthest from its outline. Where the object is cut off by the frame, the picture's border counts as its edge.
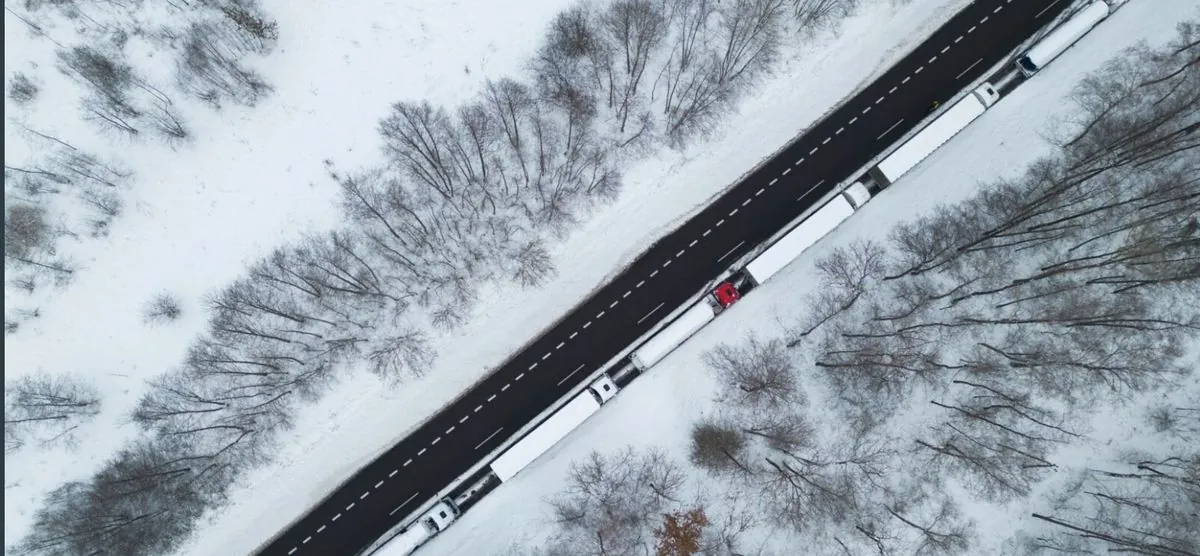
(778, 255)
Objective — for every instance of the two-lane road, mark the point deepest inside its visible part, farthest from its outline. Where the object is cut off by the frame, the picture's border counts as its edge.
(675, 268)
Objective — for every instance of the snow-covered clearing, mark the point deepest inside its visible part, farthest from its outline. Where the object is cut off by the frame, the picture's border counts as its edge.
(679, 389)
(659, 193)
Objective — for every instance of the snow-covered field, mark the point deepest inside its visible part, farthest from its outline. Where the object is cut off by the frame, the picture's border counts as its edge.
(680, 389)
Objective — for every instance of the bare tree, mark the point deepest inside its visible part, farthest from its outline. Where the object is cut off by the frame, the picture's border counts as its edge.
(47, 408)
(164, 307)
(612, 501)
(1149, 509)
(759, 373)
(998, 438)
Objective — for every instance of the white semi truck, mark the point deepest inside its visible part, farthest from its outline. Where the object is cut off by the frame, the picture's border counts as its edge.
(539, 440)
(420, 531)
(1062, 37)
(941, 129)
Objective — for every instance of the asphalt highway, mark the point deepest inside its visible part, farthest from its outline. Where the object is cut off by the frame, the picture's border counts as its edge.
(386, 491)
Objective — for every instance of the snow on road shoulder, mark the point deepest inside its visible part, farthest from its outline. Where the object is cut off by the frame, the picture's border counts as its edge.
(679, 388)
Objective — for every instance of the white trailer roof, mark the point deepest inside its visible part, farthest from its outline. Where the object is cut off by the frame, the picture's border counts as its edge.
(544, 436)
(405, 543)
(669, 338)
(1066, 34)
(940, 130)
(811, 230)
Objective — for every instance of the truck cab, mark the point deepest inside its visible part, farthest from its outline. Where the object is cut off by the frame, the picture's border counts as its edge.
(441, 515)
(603, 388)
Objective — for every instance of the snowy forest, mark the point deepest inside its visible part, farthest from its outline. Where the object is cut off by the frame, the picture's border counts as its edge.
(465, 196)
(980, 356)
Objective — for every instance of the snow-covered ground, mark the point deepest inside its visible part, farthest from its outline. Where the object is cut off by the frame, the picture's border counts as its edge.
(679, 389)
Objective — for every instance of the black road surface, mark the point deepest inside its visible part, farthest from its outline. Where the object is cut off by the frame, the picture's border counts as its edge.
(384, 492)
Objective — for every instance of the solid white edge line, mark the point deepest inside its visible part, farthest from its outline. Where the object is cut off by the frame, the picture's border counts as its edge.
(651, 312)
(490, 436)
(564, 379)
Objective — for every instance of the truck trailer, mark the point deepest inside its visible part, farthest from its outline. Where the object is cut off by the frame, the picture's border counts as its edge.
(941, 129)
(807, 233)
(670, 337)
(1062, 37)
(539, 440)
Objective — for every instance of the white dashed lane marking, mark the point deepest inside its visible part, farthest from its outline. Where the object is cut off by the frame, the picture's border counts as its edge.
(721, 221)
(451, 429)
(786, 172)
(439, 439)
(306, 539)
(477, 408)
(519, 377)
(906, 79)
(545, 357)
(812, 151)
(971, 30)
(747, 201)
(733, 212)
(666, 264)
(350, 507)
(337, 517)
(564, 379)
(893, 89)
(826, 141)
(587, 324)
(379, 484)
(393, 473)
(931, 60)
(364, 495)
(560, 345)
(572, 336)
(839, 131)
(799, 161)
(652, 311)
(944, 49)
(706, 232)
(407, 463)
(490, 398)
(880, 99)
(867, 109)
(760, 191)
(919, 70)
(852, 120)
(984, 20)
(321, 528)
(692, 244)
(533, 366)
(958, 40)
(640, 282)
(291, 551)
(600, 315)
(680, 253)
(506, 386)
(773, 181)
(423, 450)
(730, 252)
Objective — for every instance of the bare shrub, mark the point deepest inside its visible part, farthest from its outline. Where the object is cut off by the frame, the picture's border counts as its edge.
(21, 89)
(718, 446)
(25, 230)
(165, 307)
